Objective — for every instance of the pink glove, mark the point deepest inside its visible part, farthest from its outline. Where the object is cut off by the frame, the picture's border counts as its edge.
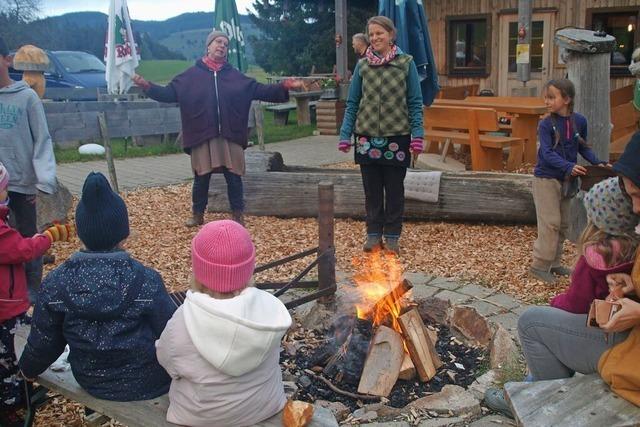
(417, 145)
(344, 146)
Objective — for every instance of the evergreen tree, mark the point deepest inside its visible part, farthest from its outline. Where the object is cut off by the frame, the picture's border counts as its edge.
(299, 34)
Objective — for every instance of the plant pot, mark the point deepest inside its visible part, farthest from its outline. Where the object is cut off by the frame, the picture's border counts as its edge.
(329, 93)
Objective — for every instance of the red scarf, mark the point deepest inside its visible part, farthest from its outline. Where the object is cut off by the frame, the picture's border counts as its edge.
(376, 60)
(212, 64)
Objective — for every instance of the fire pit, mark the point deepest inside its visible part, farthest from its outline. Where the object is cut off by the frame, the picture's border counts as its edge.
(378, 347)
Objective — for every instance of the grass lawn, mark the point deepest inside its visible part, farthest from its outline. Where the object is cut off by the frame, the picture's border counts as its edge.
(272, 133)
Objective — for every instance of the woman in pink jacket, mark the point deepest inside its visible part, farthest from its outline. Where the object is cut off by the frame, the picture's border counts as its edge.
(222, 346)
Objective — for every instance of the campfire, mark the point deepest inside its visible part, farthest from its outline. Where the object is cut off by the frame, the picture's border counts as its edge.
(385, 331)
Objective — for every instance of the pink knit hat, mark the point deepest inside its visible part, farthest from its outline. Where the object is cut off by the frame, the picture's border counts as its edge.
(223, 256)
(4, 178)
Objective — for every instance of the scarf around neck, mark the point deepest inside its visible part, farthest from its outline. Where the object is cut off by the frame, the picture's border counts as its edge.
(376, 60)
(212, 64)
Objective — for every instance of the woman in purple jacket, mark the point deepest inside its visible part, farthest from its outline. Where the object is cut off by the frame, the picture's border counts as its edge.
(214, 100)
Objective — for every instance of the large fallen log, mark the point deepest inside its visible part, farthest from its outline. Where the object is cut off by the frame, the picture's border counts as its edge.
(464, 196)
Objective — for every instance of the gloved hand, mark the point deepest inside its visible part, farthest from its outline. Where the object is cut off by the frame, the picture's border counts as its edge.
(344, 146)
(417, 145)
(59, 232)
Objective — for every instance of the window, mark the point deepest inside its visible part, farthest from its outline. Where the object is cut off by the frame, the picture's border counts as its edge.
(537, 45)
(623, 25)
(468, 41)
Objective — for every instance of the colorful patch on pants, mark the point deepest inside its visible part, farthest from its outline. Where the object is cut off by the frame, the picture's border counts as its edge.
(374, 153)
(378, 141)
(400, 156)
(363, 145)
(394, 146)
(388, 155)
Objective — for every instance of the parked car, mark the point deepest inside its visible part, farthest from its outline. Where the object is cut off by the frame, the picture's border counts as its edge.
(72, 69)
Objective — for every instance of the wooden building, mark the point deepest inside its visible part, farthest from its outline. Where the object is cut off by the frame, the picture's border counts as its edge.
(474, 41)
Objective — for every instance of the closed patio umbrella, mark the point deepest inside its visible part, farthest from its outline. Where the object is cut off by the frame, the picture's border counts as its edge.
(121, 52)
(228, 21)
(413, 38)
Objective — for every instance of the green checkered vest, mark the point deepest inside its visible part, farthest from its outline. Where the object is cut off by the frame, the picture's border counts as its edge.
(383, 107)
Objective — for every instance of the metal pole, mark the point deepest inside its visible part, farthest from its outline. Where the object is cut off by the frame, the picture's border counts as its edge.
(342, 41)
(327, 264)
(523, 47)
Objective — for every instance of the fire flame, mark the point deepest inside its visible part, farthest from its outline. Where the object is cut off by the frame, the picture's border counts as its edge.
(377, 278)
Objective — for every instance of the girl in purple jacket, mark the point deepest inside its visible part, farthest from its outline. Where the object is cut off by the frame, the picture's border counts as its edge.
(607, 246)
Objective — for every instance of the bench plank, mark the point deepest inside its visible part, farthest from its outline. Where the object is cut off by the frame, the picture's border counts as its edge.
(584, 400)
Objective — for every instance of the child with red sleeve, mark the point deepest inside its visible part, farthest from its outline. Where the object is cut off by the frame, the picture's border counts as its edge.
(15, 250)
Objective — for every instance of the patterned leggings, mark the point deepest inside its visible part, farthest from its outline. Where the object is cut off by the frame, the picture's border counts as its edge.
(11, 386)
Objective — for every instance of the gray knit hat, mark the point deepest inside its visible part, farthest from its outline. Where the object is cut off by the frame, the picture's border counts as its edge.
(609, 209)
(215, 34)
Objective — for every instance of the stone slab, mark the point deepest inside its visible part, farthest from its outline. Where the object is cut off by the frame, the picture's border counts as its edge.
(504, 301)
(475, 291)
(444, 422)
(493, 421)
(485, 308)
(444, 283)
(417, 279)
(453, 297)
(509, 321)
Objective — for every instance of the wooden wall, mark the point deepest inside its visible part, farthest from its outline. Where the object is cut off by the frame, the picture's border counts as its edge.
(567, 13)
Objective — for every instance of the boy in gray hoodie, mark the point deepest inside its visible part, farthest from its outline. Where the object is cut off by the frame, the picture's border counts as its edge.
(27, 152)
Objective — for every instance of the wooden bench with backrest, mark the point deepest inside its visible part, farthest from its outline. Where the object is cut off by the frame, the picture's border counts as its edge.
(469, 126)
(624, 119)
(458, 92)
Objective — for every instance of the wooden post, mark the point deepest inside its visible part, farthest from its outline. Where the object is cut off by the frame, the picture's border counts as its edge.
(588, 56)
(326, 265)
(106, 141)
(260, 124)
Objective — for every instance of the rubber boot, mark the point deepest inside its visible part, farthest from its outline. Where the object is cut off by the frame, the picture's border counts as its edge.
(196, 219)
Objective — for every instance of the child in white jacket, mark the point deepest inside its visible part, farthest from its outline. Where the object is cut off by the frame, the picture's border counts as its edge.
(221, 347)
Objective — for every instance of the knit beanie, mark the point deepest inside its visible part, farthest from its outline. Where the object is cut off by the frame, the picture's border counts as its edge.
(223, 256)
(609, 209)
(628, 165)
(102, 220)
(215, 34)
(4, 178)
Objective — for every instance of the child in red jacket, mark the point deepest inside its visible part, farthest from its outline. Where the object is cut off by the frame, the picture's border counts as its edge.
(607, 246)
(15, 250)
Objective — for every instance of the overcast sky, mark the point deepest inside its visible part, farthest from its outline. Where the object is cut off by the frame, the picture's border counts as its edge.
(146, 10)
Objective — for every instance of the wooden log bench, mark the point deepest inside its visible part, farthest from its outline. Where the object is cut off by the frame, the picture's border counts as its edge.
(469, 126)
(143, 413)
(580, 401)
(281, 112)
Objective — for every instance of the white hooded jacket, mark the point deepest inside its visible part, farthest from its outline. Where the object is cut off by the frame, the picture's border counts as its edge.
(223, 358)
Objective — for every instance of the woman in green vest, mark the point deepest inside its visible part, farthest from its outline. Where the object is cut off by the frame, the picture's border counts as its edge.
(384, 117)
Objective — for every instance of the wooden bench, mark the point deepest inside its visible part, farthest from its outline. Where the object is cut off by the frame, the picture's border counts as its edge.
(281, 112)
(143, 413)
(468, 126)
(458, 92)
(581, 401)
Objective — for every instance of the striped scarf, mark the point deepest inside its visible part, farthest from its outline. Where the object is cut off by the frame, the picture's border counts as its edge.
(375, 60)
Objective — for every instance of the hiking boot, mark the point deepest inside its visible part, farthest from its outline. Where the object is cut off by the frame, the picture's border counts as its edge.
(494, 399)
(196, 219)
(374, 241)
(561, 270)
(238, 217)
(545, 276)
(392, 244)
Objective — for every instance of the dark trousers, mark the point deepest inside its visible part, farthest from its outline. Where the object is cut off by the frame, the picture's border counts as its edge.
(200, 191)
(384, 198)
(24, 219)
(11, 386)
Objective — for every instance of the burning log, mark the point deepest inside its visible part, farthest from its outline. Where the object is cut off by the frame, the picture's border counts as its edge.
(390, 299)
(408, 369)
(420, 347)
(382, 367)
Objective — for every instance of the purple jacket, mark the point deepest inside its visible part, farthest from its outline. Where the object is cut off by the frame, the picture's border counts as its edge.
(197, 91)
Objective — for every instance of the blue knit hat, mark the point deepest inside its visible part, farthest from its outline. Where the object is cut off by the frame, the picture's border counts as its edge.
(628, 165)
(609, 209)
(102, 220)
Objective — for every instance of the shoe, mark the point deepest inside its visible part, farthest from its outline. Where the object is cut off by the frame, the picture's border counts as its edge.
(196, 219)
(238, 217)
(545, 276)
(392, 244)
(494, 399)
(374, 241)
(561, 270)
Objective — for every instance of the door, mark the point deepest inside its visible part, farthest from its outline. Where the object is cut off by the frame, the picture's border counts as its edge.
(540, 52)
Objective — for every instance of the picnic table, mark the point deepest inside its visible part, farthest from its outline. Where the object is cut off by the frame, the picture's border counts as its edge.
(526, 112)
(302, 104)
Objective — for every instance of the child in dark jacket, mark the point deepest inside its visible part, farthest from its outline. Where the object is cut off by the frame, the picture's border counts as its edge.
(15, 250)
(607, 246)
(108, 307)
